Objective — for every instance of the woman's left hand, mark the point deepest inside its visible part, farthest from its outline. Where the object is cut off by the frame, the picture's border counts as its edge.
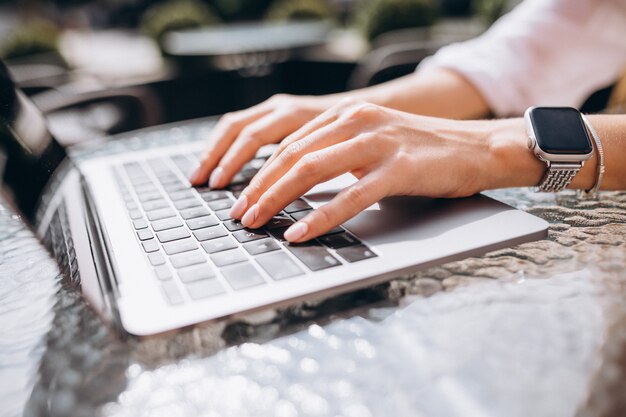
(389, 152)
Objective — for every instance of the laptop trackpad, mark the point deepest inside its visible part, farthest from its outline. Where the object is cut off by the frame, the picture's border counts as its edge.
(397, 219)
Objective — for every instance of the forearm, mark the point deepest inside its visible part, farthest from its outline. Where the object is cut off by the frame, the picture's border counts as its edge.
(512, 164)
(438, 93)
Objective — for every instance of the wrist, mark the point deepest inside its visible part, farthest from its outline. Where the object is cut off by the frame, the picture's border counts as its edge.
(511, 162)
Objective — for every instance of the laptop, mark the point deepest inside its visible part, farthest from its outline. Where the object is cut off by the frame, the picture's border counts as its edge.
(153, 254)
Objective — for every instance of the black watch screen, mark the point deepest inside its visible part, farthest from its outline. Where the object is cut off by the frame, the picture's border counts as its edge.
(560, 130)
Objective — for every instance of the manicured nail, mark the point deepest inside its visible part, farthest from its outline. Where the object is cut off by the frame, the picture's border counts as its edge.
(216, 177)
(239, 207)
(296, 231)
(193, 178)
(251, 215)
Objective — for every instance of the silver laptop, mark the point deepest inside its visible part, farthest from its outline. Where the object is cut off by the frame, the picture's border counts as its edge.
(153, 254)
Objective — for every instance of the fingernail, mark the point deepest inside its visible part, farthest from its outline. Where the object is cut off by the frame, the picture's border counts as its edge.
(216, 177)
(193, 178)
(250, 217)
(296, 231)
(239, 207)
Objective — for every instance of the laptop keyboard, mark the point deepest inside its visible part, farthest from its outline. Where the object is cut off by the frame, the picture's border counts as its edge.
(197, 251)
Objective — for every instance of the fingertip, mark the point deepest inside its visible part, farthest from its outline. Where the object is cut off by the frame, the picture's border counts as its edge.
(197, 177)
(296, 232)
(217, 178)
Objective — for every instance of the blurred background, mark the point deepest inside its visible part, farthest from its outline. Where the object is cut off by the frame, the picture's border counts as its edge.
(99, 67)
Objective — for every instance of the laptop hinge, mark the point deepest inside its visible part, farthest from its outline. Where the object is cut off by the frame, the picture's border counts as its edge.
(101, 253)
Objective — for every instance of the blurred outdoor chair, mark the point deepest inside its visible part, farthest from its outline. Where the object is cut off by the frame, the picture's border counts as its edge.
(79, 117)
(390, 61)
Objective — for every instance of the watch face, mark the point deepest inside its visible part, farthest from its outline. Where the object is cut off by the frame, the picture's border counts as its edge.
(560, 130)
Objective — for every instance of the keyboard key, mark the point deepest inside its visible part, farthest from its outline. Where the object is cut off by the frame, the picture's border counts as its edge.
(144, 234)
(219, 244)
(174, 187)
(156, 258)
(213, 195)
(248, 235)
(187, 259)
(297, 205)
(223, 204)
(192, 213)
(279, 233)
(172, 234)
(155, 195)
(163, 272)
(172, 293)
(279, 266)
(340, 240)
(155, 204)
(202, 222)
(146, 188)
(150, 245)
(187, 203)
(299, 215)
(233, 225)
(279, 221)
(196, 273)
(182, 195)
(179, 246)
(261, 246)
(130, 205)
(243, 276)
(228, 257)
(166, 224)
(313, 256)
(140, 224)
(203, 289)
(356, 253)
(209, 233)
(223, 214)
(135, 214)
(160, 214)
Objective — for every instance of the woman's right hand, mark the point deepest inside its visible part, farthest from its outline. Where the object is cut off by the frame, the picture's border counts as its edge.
(237, 136)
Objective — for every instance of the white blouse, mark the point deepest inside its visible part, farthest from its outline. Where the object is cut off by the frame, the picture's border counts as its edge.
(544, 52)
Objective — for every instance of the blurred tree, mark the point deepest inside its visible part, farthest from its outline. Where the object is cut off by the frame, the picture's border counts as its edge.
(300, 10)
(176, 14)
(35, 36)
(380, 16)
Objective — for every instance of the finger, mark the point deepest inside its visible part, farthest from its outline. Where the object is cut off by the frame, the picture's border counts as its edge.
(270, 128)
(314, 168)
(324, 119)
(324, 137)
(347, 204)
(221, 137)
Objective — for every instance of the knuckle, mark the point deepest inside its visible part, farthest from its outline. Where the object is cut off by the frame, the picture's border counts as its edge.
(252, 136)
(228, 118)
(355, 195)
(254, 187)
(362, 111)
(269, 200)
(322, 216)
(291, 152)
(279, 99)
(308, 165)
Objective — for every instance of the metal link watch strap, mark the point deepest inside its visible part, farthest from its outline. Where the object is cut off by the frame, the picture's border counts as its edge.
(558, 176)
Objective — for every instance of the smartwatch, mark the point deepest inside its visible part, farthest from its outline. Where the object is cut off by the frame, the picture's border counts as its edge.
(558, 137)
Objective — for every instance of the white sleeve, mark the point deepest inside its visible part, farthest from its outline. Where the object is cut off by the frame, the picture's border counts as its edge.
(544, 52)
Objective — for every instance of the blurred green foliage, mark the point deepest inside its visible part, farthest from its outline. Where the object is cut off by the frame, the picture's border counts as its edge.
(282, 10)
(490, 10)
(380, 16)
(176, 14)
(35, 36)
